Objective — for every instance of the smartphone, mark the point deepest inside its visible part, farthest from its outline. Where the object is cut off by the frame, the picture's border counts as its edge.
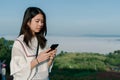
(53, 46)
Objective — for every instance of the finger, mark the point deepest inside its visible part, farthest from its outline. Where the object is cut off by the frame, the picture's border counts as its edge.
(51, 58)
(54, 52)
(47, 50)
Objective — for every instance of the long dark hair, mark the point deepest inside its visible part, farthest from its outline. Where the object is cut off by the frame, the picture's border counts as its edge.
(28, 15)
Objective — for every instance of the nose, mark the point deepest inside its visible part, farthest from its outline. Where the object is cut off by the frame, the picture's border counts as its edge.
(40, 23)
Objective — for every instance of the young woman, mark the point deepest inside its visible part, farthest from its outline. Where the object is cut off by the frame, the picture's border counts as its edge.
(30, 59)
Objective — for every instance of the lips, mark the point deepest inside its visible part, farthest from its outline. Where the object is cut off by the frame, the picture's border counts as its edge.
(39, 28)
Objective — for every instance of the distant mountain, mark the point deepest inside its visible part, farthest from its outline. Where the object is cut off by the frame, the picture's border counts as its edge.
(100, 35)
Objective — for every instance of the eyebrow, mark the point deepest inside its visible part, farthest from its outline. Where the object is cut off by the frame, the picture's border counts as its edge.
(38, 19)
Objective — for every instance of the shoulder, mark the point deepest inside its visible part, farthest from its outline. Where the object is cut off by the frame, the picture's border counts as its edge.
(18, 41)
(20, 38)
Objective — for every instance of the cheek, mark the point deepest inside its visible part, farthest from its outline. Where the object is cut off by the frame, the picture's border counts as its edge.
(31, 27)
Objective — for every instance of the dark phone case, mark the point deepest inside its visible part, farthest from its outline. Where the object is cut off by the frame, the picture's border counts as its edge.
(53, 46)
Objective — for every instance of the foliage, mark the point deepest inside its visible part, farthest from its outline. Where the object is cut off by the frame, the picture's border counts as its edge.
(114, 58)
(84, 66)
(5, 51)
(82, 61)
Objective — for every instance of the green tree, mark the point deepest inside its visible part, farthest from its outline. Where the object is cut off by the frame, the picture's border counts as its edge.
(5, 51)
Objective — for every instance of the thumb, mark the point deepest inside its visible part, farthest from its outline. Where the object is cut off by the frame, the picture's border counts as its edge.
(46, 51)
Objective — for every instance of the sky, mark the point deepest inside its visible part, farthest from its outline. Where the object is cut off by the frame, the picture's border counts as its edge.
(64, 17)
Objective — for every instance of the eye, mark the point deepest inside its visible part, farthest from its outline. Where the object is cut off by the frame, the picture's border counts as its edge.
(37, 21)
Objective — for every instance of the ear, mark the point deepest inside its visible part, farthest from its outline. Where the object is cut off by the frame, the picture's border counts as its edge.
(28, 23)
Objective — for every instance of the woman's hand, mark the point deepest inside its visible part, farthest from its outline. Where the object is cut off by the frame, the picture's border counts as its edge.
(52, 54)
(43, 56)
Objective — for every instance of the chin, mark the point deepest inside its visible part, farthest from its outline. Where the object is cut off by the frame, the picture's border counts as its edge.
(37, 31)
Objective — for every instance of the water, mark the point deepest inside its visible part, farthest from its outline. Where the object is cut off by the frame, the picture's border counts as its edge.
(102, 45)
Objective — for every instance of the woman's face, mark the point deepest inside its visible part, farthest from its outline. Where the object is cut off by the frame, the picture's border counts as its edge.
(36, 23)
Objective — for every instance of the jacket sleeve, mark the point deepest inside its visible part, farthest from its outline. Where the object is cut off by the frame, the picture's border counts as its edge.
(19, 66)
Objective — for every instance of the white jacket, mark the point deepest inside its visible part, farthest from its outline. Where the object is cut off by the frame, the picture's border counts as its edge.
(20, 65)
